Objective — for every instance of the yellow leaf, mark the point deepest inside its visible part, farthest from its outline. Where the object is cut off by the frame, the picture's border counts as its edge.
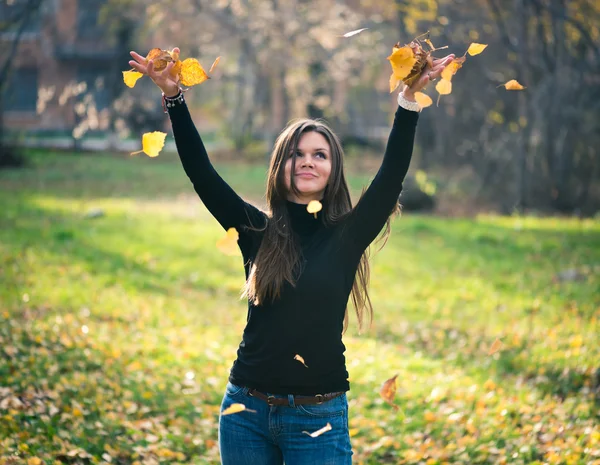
(319, 432)
(495, 347)
(34, 461)
(314, 206)
(214, 65)
(476, 49)
(300, 359)
(444, 87)
(228, 244)
(513, 84)
(192, 72)
(394, 83)
(152, 143)
(402, 60)
(388, 391)
(236, 408)
(430, 417)
(160, 58)
(423, 99)
(451, 69)
(130, 77)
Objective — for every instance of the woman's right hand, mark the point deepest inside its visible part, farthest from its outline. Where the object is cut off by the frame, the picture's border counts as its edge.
(163, 79)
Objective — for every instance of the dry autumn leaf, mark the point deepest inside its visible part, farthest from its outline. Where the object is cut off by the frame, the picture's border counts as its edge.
(228, 244)
(353, 33)
(402, 60)
(495, 347)
(152, 143)
(192, 72)
(236, 408)
(513, 84)
(452, 68)
(313, 207)
(130, 77)
(443, 87)
(300, 359)
(388, 391)
(476, 49)
(319, 432)
(214, 65)
(423, 99)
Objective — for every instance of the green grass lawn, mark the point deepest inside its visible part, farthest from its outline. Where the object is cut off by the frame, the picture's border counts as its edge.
(117, 332)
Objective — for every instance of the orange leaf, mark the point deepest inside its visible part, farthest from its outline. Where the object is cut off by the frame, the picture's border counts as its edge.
(495, 347)
(300, 359)
(476, 49)
(423, 99)
(513, 84)
(228, 244)
(388, 391)
(319, 432)
(214, 65)
(160, 58)
(192, 72)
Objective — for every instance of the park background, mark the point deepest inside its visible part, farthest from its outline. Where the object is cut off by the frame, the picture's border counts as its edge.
(120, 318)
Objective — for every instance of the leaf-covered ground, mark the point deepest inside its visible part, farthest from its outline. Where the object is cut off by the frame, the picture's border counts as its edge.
(119, 321)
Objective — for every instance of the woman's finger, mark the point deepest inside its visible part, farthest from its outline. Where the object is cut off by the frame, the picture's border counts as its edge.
(135, 65)
(165, 73)
(176, 50)
(150, 68)
(137, 57)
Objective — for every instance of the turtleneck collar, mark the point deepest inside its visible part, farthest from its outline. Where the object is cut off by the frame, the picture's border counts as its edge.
(303, 222)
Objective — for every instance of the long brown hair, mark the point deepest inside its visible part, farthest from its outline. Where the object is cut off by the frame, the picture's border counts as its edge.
(279, 257)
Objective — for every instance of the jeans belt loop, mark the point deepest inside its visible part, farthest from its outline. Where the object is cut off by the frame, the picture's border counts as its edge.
(270, 400)
(319, 399)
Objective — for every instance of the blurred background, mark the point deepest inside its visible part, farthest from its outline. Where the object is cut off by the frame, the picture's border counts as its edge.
(483, 148)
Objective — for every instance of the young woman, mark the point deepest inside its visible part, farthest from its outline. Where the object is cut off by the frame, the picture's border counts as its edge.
(300, 270)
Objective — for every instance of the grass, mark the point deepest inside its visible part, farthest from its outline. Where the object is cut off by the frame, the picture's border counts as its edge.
(117, 332)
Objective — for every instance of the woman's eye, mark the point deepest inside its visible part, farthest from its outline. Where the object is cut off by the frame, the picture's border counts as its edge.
(321, 154)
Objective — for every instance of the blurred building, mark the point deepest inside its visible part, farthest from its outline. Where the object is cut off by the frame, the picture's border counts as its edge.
(62, 45)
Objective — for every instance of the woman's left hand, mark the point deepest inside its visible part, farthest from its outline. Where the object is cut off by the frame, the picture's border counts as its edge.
(430, 73)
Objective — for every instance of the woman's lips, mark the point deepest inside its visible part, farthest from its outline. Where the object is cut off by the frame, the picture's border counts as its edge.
(306, 175)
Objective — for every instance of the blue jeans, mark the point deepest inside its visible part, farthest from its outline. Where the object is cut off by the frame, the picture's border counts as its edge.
(274, 434)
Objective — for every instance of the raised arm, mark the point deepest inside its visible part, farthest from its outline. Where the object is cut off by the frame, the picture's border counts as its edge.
(225, 205)
(375, 206)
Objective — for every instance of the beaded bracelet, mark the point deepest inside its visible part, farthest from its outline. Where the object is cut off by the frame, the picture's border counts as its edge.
(407, 104)
(170, 102)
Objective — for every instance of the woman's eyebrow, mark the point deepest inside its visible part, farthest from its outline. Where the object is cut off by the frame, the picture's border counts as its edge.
(316, 150)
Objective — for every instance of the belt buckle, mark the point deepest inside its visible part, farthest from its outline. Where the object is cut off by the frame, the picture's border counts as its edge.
(270, 400)
(319, 398)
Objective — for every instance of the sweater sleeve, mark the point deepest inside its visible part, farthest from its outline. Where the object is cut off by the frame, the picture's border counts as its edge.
(230, 210)
(375, 206)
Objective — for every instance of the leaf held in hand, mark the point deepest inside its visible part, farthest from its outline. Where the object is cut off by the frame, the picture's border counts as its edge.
(513, 84)
(160, 58)
(228, 244)
(423, 99)
(476, 49)
(388, 391)
(192, 72)
(236, 408)
(130, 77)
(152, 143)
(319, 432)
(402, 60)
(353, 33)
(300, 359)
(452, 67)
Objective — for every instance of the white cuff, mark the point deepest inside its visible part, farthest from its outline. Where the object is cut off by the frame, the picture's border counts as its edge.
(407, 104)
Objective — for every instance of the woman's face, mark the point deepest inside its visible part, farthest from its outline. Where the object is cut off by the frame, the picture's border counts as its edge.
(313, 167)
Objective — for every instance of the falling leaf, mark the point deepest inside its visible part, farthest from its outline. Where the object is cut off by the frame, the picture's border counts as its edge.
(353, 33)
(476, 49)
(388, 391)
(495, 347)
(402, 60)
(444, 87)
(300, 359)
(314, 206)
(319, 432)
(236, 408)
(152, 143)
(214, 65)
(192, 72)
(513, 84)
(228, 244)
(423, 99)
(130, 77)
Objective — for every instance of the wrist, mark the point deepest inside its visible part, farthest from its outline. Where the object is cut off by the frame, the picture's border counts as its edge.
(170, 93)
(408, 95)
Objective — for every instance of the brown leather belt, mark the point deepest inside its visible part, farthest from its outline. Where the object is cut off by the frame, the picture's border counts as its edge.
(298, 400)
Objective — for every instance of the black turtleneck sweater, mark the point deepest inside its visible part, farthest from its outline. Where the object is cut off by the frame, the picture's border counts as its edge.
(307, 319)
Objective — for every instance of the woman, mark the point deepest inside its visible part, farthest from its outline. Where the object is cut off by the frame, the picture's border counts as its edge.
(300, 270)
